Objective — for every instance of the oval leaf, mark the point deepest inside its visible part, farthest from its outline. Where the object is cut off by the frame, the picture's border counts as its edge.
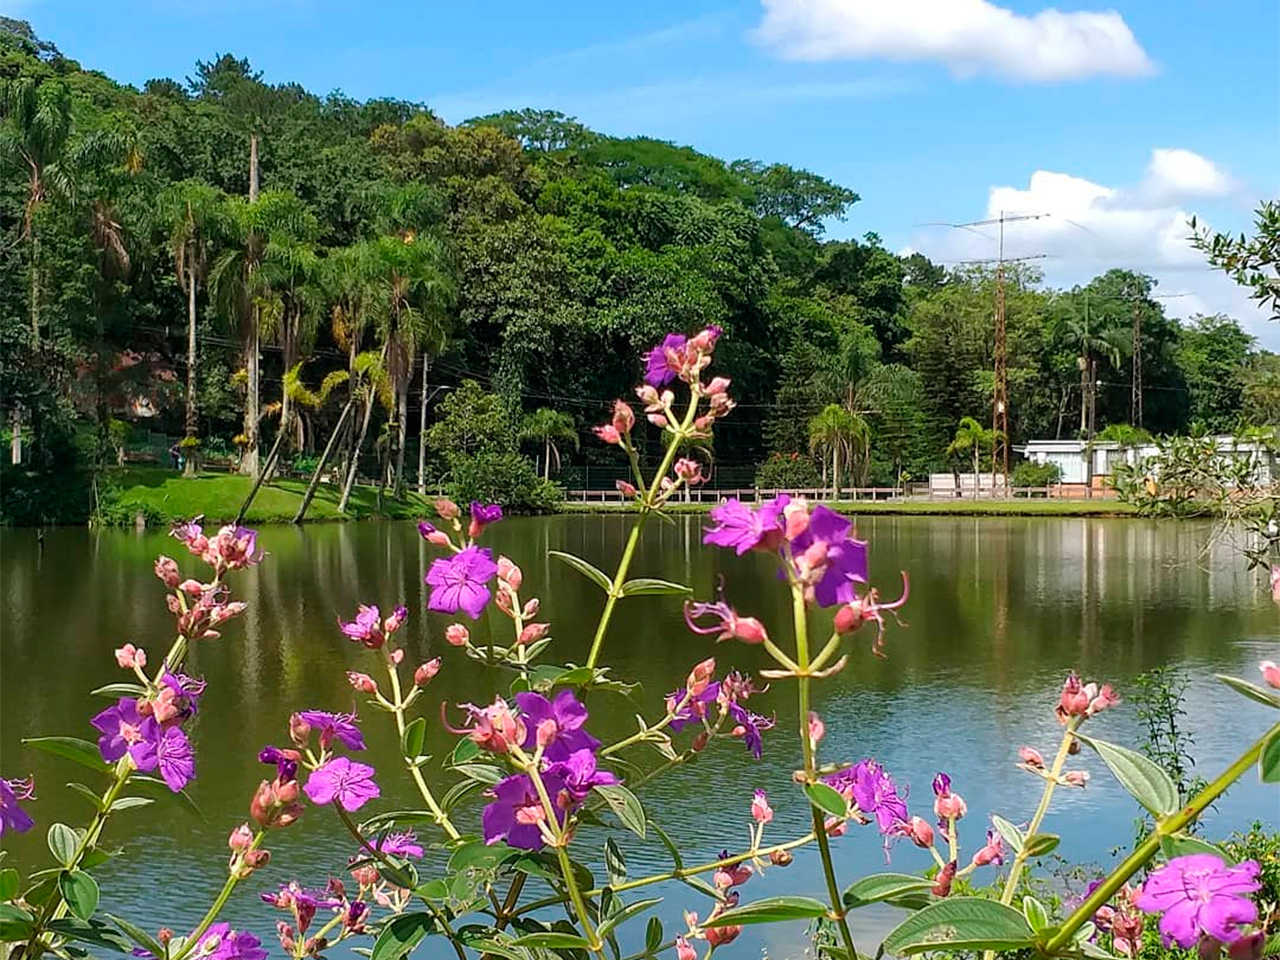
(130, 803)
(63, 843)
(1145, 781)
(138, 935)
(415, 734)
(624, 803)
(80, 891)
(650, 587)
(1041, 844)
(91, 931)
(652, 935)
(961, 923)
(1012, 835)
(626, 913)
(587, 570)
(1252, 691)
(1035, 913)
(615, 863)
(771, 910)
(551, 940)
(1269, 761)
(1183, 844)
(401, 935)
(827, 799)
(884, 886)
(71, 748)
(117, 690)
(10, 883)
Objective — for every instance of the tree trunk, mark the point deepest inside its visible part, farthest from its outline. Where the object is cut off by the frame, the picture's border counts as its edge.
(324, 459)
(253, 167)
(402, 432)
(257, 483)
(286, 402)
(835, 471)
(190, 469)
(546, 459)
(35, 291)
(977, 485)
(422, 429)
(249, 462)
(15, 440)
(355, 453)
(1084, 394)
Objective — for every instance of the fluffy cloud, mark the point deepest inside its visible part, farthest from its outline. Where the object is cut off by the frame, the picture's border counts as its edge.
(968, 36)
(1091, 227)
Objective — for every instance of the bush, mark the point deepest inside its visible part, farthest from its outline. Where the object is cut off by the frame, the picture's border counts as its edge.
(1028, 474)
(507, 478)
(787, 471)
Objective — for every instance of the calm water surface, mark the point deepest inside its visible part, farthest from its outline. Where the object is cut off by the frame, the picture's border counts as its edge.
(1000, 610)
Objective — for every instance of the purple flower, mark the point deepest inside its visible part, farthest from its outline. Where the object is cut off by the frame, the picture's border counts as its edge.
(485, 513)
(749, 725)
(517, 810)
(942, 787)
(876, 795)
(334, 726)
(13, 819)
(846, 558)
(186, 691)
(425, 529)
(1200, 896)
(220, 942)
(695, 709)
(580, 774)
(461, 582)
(286, 763)
(174, 757)
(741, 528)
(366, 627)
(344, 781)
(659, 366)
(557, 724)
(400, 844)
(124, 731)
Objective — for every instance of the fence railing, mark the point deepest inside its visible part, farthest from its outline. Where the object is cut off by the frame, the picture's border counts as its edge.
(909, 492)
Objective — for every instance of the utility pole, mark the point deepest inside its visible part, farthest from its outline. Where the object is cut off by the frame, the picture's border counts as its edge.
(1135, 398)
(422, 429)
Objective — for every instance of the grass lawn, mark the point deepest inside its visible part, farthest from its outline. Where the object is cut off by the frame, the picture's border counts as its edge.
(955, 508)
(164, 495)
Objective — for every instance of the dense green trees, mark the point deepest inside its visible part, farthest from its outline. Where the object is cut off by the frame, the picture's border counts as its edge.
(265, 227)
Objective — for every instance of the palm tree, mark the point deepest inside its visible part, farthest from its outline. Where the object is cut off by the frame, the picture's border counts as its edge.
(971, 437)
(838, 431)
(370, 384)
(1108, 344)
(546, 426)
(194, 214)
(290, 312)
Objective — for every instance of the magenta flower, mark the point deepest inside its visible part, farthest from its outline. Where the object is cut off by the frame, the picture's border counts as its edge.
(13, 819)
(845, 558)
(516, 811)
(557, 724)
(739, 527)
(695, 709)
(461, 582)
(876, 795)
(580, 774)
(286, 762)
(400, 844)
(185, 692)
(122, 728)
(334, 726)
(174, 757)
(1200, 896)
(366, 627)
(662, 363)
(749, 726)
(220, 942)
(485, 513)
(343, 781)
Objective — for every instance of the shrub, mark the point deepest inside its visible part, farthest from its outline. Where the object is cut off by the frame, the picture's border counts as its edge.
(1028, 474)
(787, 471)
(507, 478)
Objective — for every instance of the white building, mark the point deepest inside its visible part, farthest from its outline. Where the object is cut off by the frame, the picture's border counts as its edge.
(1081, 461)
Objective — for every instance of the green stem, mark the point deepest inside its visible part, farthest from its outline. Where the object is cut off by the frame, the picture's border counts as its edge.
(566, 866)
(1050, 785)
(1167, 826)
(415, 772)
(212, 914)
(800, 616)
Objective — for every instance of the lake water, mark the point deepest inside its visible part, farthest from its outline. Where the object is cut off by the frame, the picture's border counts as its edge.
(1000, 610)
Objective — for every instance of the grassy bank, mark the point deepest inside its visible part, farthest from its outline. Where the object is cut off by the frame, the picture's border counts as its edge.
(163, 496)
(924, 508)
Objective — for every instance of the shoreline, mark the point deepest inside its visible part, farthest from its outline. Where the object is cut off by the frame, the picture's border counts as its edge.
(919, 508)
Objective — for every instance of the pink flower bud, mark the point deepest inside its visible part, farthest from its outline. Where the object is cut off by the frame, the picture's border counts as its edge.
(1104, 699)
(257, 859)
(447, 509)
(690, 471)
(721, 936)
(624, 418)
(920, 832)
(607, 433)
(817, 729)
(625, 488)
(950, 806)
(717, 386)
(835, 826)
(1270, 673)
(749, 630)
(1031, 757)
(530, 609)
(781, 858)
(658, 420)
(130, 657)
(796, 515)
(457, 635)
(438, 538)
(1076, 778)
(849, 618)
(366, 876)
(191, 587)
(546, 732)
(299, 731)
(533, 632)
(700, 676)
(761, 812)
(684, 950)
(362, 682)
(241, 838)
(392, 623)
(510, 573)
(167, 571)
(422, 676)
(164, 935)
(397, 657)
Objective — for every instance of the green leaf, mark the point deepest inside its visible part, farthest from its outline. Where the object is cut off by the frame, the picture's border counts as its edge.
(669, 844)
(477, 855)
(1012, 835)
(138, 935)
(626, 913)
(1184, 844)
(88, 794)
(130, 803)
(15, 931)
(9, 912)
(456, 794)
(81, 892)
(401, 935)
(587, 570)
(63, 844)
(467, 749)
(392, 818)
(1250, 690)
(884, 886)
(624, 803)
(479, 772)
(117, 690)
(157, 789)
(615, 863)
(1269, 761)
(415, 735)
(649, 587)
(1148, 784)
(71, 748)
(10, 883)
(91, 931)
(1041, 844)
(827, 799)
(552, 940)
(1035, 913)
(961, 923)
(771, 910)
(653, 935)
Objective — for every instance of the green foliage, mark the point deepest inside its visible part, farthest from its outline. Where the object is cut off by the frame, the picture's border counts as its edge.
(504, 477)
(1263, 845)
(787, 472)
(1249, 261)
(1028, 474)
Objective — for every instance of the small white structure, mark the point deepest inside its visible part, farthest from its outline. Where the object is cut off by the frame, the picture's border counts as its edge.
(1081, 461)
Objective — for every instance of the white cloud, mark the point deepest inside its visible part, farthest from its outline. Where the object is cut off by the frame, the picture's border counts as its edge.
(968, 36)
(1090, 227)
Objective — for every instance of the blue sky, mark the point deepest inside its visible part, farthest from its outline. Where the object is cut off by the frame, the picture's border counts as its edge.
(933, 110)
